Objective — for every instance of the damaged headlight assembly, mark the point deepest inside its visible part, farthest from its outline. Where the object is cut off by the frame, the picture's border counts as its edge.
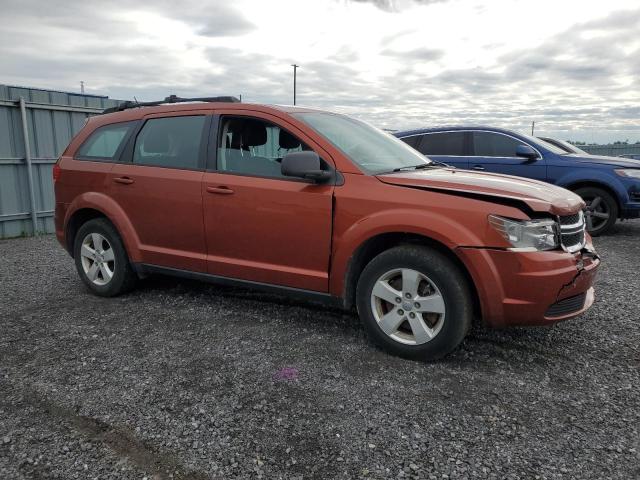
(527, 235)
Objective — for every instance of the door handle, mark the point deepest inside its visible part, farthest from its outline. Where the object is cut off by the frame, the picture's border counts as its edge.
(124, 180)
(478, 167)
(220, 190)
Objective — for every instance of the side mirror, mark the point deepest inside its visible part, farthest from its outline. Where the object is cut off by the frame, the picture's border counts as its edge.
(304, 165)
(527, 152)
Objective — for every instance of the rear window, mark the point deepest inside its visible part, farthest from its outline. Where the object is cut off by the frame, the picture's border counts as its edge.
(105, 142)
(171, 142)
(449, 143)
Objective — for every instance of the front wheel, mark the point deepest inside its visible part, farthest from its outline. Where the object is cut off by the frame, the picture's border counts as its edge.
(414, 302)
(602, 209)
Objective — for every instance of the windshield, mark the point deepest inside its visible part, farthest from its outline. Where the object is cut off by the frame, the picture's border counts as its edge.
(572, 148)
(372, 149)
(542, 143)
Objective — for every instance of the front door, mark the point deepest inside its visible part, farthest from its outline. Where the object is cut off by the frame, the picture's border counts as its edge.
(260, 225)
(496, 152)
(159, 190)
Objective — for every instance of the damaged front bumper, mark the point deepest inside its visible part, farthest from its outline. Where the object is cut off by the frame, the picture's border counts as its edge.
(531, 288)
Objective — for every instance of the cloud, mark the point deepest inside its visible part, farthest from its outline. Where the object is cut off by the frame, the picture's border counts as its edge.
(398, 65)
(397, 5)
(424, 54)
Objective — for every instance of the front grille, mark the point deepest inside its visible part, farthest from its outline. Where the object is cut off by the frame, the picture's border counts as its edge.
(566, 306)
(570, 219)
(572, 231)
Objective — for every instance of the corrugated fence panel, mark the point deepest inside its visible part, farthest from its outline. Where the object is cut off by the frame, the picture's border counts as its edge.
(49, 131)
(611, 150)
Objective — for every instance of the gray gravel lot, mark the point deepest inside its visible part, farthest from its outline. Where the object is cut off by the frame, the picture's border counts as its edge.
(192, 381)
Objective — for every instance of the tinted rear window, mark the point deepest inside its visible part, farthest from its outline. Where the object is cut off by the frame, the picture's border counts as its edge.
(104, 143)
(448, 143)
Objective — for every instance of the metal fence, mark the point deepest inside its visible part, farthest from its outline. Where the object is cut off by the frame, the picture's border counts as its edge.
(611, 150)
(47, 120)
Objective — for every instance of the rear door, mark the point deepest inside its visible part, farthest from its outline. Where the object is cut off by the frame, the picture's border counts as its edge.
(260, 225)
(158, 186)
(496, 152)
(447, 147)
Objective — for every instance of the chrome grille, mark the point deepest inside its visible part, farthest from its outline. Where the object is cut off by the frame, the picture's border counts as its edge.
(572, 231)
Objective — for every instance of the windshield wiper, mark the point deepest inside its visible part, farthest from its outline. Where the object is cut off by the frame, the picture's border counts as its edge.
(415, 167)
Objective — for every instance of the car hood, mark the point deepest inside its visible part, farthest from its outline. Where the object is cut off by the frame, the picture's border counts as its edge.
(600, 160)
(539, 196)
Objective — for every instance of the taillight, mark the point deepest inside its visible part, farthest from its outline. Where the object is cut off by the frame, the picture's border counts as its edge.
(57, 171)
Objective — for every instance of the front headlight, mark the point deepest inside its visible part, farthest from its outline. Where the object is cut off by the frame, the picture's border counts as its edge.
(629, 172)
(527, 235)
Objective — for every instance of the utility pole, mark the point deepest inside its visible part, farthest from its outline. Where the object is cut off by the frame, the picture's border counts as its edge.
(81, 87)
(295, 68)
(533, 125)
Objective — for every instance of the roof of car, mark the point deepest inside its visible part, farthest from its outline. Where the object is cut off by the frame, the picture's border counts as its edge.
(450, 128)
(139, 112)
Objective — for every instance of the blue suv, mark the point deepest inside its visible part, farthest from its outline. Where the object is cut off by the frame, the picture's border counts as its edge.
(610, 186)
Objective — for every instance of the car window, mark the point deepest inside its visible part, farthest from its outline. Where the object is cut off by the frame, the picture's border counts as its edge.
(172, 142)
(489, 144)
(446, 143)
(412, 141)
(374, 150)
(104, 142)
(251, 146)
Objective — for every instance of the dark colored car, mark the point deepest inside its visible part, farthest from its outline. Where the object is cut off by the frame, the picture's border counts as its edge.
(632, 156)
(322, 206)
(566, 146)
(610, 186)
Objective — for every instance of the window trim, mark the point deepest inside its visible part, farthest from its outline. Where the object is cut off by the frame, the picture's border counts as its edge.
(212, 157)
(540, 156)
(132, 125)
(202, 148)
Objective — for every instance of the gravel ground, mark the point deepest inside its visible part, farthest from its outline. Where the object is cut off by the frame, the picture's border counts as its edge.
(187, 380)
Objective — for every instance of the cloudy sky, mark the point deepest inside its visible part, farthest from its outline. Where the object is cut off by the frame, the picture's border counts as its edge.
(572, 66)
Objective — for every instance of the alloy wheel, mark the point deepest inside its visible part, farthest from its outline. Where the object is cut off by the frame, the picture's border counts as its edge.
(597, 214)
(408, 306)
(98, 259)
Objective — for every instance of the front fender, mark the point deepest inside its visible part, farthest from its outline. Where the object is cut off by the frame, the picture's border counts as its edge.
(435, 226)
(605, 178)
(116, 215)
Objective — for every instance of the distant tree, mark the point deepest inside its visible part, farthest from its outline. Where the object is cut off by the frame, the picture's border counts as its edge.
(576, 142)
(618, 142)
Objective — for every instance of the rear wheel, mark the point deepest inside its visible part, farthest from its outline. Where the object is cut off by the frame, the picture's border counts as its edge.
(101, 259)
(414, 302)
(602, 209)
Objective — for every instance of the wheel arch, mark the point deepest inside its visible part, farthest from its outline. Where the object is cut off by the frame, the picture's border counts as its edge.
(596, 184)
(76, 220)
(379, 243)
(96, 205)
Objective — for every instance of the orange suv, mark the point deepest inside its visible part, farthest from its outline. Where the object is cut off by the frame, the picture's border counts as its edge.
(321, 205)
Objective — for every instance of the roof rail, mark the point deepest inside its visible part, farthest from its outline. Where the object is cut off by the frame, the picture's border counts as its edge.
(170, 99)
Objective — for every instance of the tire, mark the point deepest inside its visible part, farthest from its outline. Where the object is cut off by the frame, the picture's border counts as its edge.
(443, 289)
(605, 204)
(107, 271)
